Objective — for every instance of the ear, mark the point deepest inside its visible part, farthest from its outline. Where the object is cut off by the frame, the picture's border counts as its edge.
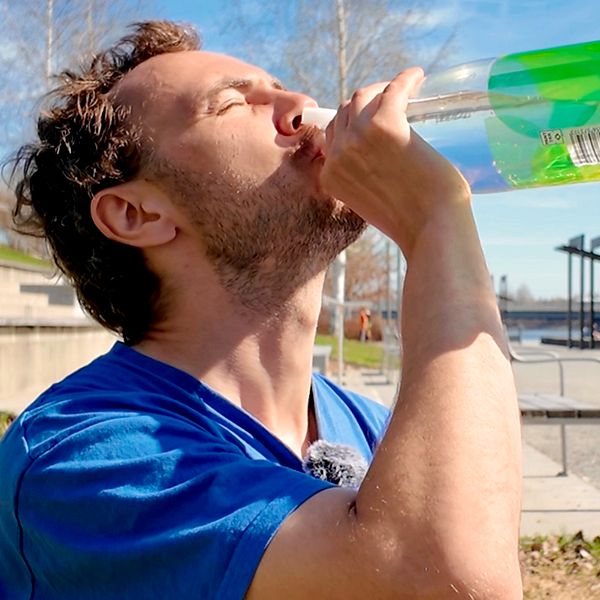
(136, 213)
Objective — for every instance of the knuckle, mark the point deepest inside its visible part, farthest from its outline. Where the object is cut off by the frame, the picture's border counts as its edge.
(359, 94)
(378, 126)
(393, 86)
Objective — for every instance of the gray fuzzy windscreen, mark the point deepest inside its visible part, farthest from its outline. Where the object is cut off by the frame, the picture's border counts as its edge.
(337, 463)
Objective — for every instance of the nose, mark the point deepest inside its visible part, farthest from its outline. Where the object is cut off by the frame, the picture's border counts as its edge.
(287, 113)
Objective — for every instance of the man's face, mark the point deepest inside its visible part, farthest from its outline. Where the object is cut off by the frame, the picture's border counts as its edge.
(229, 148)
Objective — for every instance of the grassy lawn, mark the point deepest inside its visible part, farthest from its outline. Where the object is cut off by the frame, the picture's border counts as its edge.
(5, 421)
(7, 253)
(560, 567)
(356, 353)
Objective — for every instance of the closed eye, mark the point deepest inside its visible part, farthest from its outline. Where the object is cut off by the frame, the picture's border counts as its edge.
(227, 105)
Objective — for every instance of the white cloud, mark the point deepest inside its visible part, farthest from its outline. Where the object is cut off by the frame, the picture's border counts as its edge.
(8, 50)
(434, 17)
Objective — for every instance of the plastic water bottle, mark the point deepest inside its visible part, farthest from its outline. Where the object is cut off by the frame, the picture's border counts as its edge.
(523, 120)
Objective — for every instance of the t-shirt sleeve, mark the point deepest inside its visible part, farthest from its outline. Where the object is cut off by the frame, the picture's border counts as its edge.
(147, 507)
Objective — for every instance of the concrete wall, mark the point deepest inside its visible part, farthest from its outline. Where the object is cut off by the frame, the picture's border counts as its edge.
(44, 334)
(30, 292)
(32, 358)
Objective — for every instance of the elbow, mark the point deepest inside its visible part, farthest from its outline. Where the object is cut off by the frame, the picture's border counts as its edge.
(509, 590)
(488, 569)
(505, 586)
(454, 574)
(477, 581)
(424, 566)
(412, 576)
(450, 586)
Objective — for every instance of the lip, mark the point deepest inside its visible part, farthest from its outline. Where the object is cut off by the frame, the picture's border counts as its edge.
(311, 145)
(318, 154)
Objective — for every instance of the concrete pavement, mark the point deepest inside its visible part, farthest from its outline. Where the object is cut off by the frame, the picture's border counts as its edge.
(554, 504)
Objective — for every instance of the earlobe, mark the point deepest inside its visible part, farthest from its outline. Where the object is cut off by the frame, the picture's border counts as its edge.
(134, 213)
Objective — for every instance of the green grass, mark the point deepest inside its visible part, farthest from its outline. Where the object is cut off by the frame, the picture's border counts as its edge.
(5, 421)
(357, 353)
(7, 253)
(562, 544)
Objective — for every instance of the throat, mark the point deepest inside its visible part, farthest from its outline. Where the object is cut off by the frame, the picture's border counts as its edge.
(312, 433)
(299, 443)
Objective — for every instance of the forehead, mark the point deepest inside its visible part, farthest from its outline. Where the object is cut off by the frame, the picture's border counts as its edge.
(176, 82)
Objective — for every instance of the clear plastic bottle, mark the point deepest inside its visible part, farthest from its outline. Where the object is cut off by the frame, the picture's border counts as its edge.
(523, 120)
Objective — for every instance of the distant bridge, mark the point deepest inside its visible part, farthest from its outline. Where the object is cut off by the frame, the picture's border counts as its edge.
(555, 315)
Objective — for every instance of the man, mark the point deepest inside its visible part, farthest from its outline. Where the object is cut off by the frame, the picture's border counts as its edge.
(174, 183)
(365, 324)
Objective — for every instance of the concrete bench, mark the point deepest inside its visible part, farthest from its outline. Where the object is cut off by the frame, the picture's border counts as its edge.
(320, 361)
(552, 409)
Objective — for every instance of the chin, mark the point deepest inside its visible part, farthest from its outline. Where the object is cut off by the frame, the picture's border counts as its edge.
(335, 206)
(339, 209)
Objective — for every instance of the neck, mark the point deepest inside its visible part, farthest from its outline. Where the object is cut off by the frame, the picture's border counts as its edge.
(260, 362)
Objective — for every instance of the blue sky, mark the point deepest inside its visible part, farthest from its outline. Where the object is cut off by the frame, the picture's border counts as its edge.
(519, 230)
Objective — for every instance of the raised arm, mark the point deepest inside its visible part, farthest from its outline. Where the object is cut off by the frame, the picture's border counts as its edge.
(438, 513)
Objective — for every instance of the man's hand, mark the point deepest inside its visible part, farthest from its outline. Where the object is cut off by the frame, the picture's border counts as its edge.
(382, 169)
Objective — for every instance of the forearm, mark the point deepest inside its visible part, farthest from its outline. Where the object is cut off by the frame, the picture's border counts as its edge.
(446, 477)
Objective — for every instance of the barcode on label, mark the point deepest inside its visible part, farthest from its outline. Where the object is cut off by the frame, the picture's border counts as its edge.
(583, 144)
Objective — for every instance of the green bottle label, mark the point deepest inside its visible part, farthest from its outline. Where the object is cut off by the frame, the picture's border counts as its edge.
(546, 126)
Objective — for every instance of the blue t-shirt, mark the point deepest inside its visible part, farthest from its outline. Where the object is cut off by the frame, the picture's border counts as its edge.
(132, 479)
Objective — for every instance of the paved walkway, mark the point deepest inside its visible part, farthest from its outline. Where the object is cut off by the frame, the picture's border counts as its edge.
(551, 504)
(554, 504)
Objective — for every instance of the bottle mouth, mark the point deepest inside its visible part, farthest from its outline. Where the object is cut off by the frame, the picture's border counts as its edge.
(321, 117)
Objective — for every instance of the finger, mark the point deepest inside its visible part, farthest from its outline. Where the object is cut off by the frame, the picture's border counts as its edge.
(336, 126)
(394, 98)
(362, 97)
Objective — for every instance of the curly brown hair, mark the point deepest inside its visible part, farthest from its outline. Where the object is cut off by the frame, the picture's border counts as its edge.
(86, 143)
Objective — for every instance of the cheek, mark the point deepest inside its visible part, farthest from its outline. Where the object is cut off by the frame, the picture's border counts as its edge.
(233, 151)
(254, 156)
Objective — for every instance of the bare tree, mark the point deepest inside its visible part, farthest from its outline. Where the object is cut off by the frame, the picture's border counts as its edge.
(524, 295)
(37, 39)
(366, 272)
(40, 37)
(329, 48)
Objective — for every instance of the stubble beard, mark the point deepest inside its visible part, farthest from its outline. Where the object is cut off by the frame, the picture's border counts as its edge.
(264, 240)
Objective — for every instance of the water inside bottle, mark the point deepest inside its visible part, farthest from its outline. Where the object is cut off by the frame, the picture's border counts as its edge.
(459, 133)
